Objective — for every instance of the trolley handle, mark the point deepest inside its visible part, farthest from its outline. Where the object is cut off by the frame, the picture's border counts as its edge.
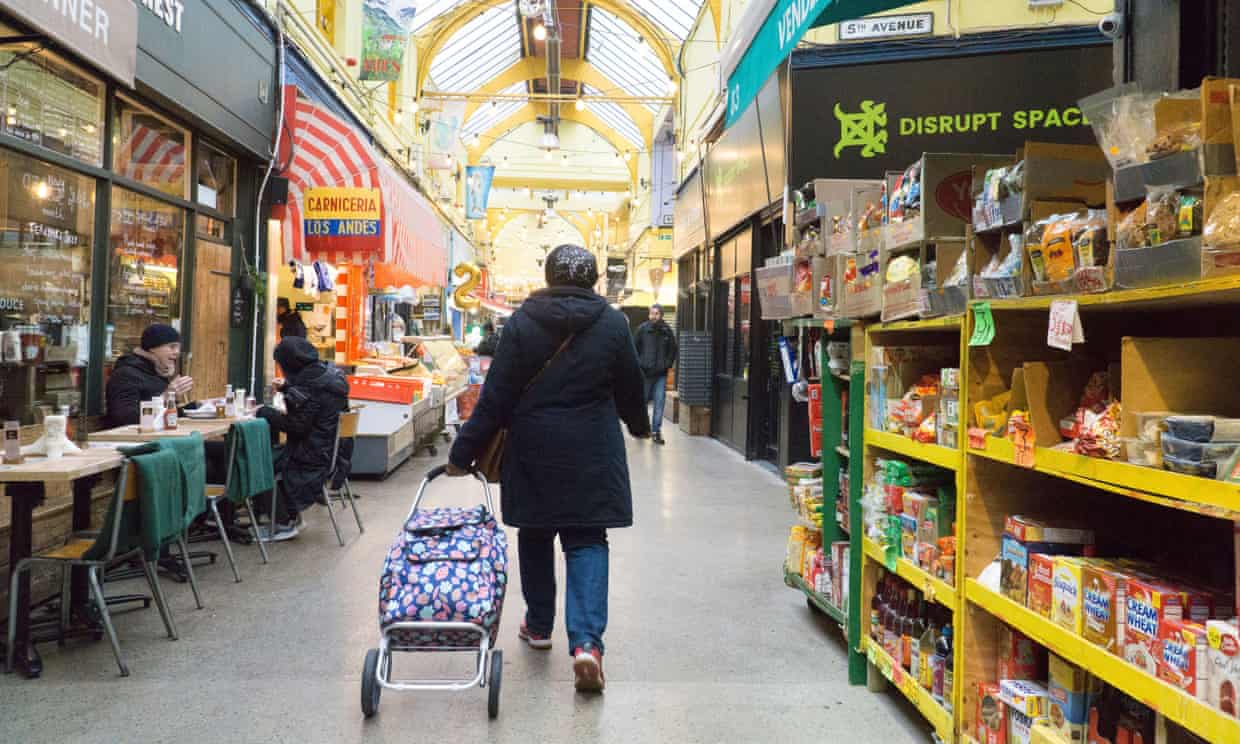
(440, 470)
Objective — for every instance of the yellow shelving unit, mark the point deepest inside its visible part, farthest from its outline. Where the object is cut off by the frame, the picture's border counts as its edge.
(1189, 712)
(920, 697)
(944, 457)
(935, 590)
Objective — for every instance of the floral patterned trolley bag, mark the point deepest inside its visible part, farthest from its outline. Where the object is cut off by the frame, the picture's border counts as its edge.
(442, 589)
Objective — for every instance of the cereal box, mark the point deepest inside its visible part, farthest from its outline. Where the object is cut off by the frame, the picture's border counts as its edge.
(1223, 655)
(1020, 727)
(1032, 530)
(1181, 655)
(1019, 656)
(1066, 692)
(1068, 603)
(1014, 574)
(1104, 588)
(1025, 696)
(1148, 603)
(1041, 584)
(991, 716)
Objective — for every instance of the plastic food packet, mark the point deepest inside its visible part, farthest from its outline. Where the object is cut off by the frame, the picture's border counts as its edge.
(1123, 122)
(1033, 240)
(902, 268)
(1162, 219)
(1090, 240)
(1056, 250)
(1131, 229)
(1178, 138)
(1223, 227)
(1190, 215)
(959, 275)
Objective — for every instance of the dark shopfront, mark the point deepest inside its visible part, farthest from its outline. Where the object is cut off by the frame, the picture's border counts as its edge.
(123, 206)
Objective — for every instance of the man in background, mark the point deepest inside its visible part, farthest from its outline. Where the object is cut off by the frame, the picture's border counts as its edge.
(656, 352)
(289, 319)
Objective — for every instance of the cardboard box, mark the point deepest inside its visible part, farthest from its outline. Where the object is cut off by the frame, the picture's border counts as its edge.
(1024, 696)
(1180, 655)
(1014, 578)
(1178, 374)
(1040, 596)
(1217, 135)
(1020, 727)
(861, 278)
(991, 715)
(1019, 656)
(1148, 603)
(1104, 588)
(1223, 656)
(1027, 529)
(1068, 608)
(1067, 695)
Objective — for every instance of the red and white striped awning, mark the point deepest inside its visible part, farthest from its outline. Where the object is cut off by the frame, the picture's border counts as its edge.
(327, 151)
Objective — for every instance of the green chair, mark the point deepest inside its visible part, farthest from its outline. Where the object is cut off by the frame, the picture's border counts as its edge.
(250, 473)
(121, 537)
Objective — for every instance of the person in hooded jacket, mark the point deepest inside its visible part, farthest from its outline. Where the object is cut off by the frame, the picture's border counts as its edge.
(564, 470)
(149, 371)
(315, 394)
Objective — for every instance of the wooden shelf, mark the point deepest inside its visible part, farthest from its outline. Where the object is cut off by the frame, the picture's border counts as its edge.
(1214, 291)
(944, 323)
(819, 601)
(944, 457)
(1205, 496)
(1201, 719)
(919, 696)
(933, 589)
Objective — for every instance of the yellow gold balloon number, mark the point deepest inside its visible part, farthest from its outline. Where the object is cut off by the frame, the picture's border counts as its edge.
(463, 295)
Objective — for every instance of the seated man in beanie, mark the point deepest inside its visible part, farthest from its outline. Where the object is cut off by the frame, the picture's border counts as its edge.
(315, 394)
(147, 372)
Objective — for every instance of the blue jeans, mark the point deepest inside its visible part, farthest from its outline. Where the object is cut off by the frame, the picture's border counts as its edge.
(656, 390)
(585, 606)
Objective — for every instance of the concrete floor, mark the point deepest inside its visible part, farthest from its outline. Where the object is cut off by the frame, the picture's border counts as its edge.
(705, 643)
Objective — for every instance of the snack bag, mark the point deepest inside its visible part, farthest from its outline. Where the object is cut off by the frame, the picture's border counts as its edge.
(1223, 227)
(1130, 233)
(1162, 220)
(1057, 252)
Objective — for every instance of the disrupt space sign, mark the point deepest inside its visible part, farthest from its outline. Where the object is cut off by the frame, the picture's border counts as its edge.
(883, 116)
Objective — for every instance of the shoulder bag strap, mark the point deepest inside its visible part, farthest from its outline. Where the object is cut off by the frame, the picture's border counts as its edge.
(557, 353)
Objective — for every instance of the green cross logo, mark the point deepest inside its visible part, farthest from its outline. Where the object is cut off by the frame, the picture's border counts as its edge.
(867, 130)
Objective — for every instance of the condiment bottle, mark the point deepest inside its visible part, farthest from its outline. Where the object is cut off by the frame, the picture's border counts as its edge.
(13, 442)
(170, 411)
(146, 420)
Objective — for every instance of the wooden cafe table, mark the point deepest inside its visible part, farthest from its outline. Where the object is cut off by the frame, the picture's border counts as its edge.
(26, 487)
(208, 428)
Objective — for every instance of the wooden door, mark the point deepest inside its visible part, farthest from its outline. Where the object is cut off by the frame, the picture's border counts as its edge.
(208, 364)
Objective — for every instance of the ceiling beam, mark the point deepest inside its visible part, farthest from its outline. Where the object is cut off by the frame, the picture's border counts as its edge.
(560, 184)
(437, 33)
(530, 112)
(529, 68)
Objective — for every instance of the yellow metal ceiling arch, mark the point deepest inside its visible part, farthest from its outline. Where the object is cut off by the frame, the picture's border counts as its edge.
(498, 219)
(532, 68)
(438, 32)
(529, 112)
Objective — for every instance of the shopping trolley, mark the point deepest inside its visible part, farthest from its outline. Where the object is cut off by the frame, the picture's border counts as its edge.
(442, 590)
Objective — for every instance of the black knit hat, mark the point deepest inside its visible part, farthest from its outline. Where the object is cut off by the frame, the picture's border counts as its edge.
(159, 334)
(571, 266)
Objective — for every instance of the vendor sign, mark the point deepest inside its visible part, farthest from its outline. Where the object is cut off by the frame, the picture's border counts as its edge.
(343, 219)
(385, 35)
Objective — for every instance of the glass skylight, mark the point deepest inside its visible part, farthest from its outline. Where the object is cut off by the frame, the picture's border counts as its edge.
(482, 49)
(616, 50)
(615, 117)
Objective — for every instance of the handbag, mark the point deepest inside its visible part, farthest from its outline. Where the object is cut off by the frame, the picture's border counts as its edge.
(492, 457)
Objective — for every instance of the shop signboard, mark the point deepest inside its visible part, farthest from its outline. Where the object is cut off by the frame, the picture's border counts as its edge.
(859, 121)
(385, 36)
(338, 219)
(104, 32)
(689, 223)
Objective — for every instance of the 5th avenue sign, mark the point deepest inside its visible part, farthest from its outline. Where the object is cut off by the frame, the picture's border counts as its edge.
(887, 27)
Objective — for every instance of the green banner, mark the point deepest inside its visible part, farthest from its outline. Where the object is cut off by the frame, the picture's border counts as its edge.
(781, 32)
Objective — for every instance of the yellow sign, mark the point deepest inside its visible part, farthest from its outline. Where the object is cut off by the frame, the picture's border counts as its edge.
(335, 212)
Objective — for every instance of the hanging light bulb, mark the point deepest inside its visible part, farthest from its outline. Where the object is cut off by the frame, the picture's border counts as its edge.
(540, 32)
(413, 105)
(628, 193)
(547, 154)
(504, 160)
(565, 161)
(628, 155)
(671, 86)
(680, 156)
(580, 104)
(476, 139)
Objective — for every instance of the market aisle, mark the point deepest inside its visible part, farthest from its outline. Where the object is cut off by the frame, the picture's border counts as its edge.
(705, 642)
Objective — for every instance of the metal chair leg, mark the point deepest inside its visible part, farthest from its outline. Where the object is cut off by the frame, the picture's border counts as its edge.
(189, 569)
(157, 591)
(348, 495)
(332, 514)
(219, 524)
(102, 603)
(258, 538)
(12, 640)
(66, 603)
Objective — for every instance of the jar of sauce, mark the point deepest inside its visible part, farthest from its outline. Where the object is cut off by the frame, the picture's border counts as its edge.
(33, 342)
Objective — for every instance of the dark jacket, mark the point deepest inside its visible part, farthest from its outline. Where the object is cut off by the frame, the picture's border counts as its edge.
(315, 396)
(656, 348)
(132, 381)
(488, 345)
(292, 325)
(565, 464)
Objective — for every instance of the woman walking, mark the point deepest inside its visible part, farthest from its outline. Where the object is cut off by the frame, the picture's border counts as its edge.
(564, 472)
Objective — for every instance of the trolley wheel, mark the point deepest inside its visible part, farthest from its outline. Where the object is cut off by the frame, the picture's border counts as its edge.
(497, 677)
(433, 450)
(370, 683)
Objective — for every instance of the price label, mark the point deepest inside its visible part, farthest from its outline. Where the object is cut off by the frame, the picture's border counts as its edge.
(983, 325)
(1023, 444)
(1064, 327)
(977, 438)
(829, 325)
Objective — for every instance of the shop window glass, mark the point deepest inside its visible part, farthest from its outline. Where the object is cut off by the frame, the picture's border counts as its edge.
(149, 149)
(217, 180)
(49, 103)
(146, 245)
(47, 216)
(209, 227)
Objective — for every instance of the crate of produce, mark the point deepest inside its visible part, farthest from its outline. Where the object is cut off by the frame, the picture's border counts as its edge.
(386, 389)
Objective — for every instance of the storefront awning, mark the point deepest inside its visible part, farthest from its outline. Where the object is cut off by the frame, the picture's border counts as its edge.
(328, 152)
(767, 33)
